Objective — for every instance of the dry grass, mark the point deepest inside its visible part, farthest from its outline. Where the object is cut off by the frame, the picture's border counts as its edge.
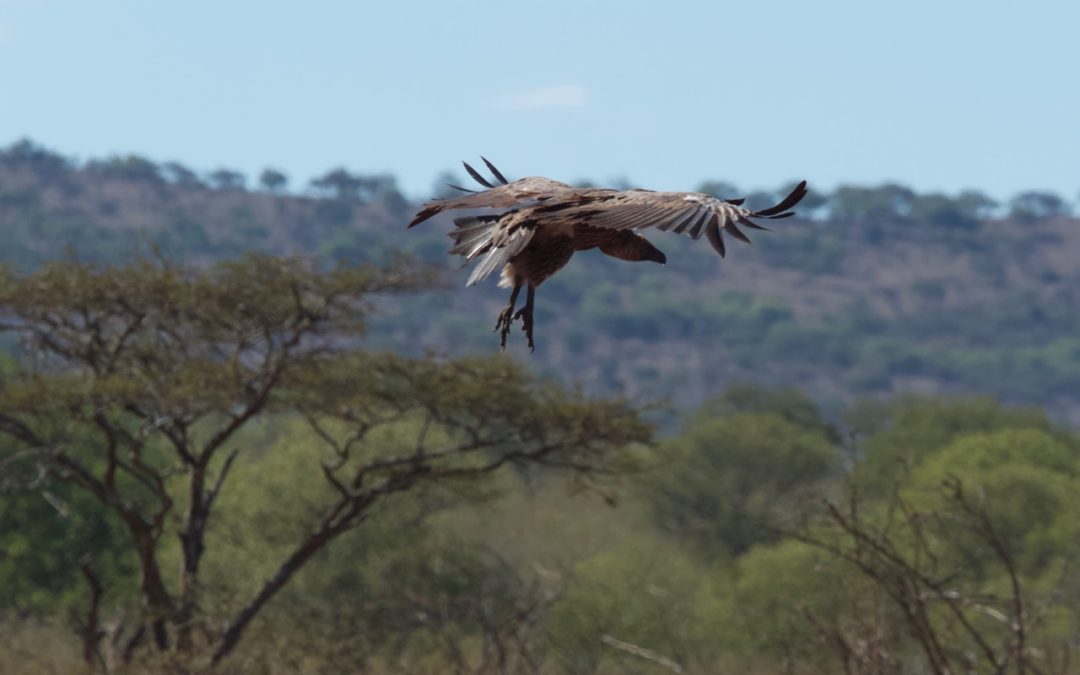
(32, 647)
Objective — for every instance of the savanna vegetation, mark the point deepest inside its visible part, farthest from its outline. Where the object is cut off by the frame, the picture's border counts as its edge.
(872, 290)
(249, 463)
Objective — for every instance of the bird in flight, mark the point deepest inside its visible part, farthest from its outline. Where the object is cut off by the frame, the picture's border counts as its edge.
(540, 223)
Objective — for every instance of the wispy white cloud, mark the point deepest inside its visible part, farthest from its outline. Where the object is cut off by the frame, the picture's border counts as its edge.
(543, 98)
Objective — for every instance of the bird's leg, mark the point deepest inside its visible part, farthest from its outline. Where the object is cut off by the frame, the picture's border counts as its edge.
(526, 315)
(506, 317)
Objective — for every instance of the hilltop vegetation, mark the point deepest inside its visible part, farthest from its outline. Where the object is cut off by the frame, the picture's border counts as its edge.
(872, 290)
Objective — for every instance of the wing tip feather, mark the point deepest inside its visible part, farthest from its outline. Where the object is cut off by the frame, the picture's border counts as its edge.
(793, 198)
(476, 175)
(495, 172)
(716, 239)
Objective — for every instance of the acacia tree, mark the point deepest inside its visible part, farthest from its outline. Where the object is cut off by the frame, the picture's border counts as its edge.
(956, 627)
(136, 381)
(973, 552)
(273, 181)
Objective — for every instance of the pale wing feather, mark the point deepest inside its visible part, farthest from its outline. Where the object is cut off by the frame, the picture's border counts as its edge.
(500, 253)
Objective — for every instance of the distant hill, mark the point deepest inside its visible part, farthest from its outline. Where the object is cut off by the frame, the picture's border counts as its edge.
(875, 290)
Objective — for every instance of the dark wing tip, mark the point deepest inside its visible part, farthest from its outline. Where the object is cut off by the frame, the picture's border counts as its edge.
(458, 187)
(788, 202)
(421, 217)
(712, 233)
(476, 176)
(495, 172)
(736, 232)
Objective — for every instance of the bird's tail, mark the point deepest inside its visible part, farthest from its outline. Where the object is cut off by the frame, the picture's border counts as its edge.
(476, 236)
(473, 235)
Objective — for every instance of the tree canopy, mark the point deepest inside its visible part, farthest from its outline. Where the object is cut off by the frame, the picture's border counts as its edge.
(137, 380)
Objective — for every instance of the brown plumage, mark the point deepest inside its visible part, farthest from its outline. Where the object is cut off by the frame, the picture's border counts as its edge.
(542, 222)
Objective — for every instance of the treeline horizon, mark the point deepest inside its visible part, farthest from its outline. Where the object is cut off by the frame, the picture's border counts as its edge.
(848, 199)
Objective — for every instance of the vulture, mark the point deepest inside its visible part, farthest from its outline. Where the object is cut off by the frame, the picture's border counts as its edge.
(540, 223)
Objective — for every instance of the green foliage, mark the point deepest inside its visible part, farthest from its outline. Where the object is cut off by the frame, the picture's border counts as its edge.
(180, 175)
(47, 532)
(983, 517)
(773, 590)
(902, 434)
(336, 212)
(648, 311)
(727, 482)
(787, 402)
(943, 211)
(273, 180)
(1025, 479)
(343, 186)
(710, 562)
(379, 574)
(186, 235)
(645, 592)
(128, 168)
(226, 179)
(1029, 207)
(144, 376)
(28, 154)
(886, 202)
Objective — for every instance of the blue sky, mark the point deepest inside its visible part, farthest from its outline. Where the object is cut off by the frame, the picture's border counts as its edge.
(939, 95)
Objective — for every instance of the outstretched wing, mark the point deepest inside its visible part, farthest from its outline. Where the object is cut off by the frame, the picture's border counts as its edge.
(691, 213)
(508, 195)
